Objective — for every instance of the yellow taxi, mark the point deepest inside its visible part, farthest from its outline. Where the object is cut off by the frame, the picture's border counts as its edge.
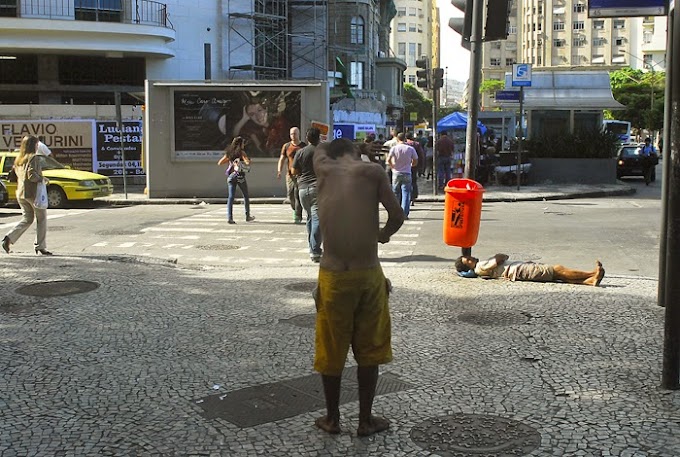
(65, 184)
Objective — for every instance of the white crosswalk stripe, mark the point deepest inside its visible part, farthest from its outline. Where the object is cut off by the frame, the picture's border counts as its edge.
(270, 240)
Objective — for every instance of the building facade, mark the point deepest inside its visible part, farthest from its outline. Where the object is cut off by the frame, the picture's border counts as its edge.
(558, 34)
(414, 34)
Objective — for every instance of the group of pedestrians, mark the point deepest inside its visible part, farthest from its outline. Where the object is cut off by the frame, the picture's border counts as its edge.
(297, 156)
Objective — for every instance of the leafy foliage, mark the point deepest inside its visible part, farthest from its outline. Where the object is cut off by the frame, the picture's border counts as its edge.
(643, 95)
(592, 144)
(490, 86)
(415, 102)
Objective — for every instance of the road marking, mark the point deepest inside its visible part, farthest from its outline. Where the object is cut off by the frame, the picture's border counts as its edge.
(201, 230)
(50, 217)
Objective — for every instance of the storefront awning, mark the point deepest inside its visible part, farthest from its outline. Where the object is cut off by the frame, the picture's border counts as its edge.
(567, 90)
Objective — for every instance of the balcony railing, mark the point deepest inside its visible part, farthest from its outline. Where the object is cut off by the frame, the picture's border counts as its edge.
(145, 12)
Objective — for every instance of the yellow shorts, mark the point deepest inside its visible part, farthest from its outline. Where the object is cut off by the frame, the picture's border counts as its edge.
(352, 309)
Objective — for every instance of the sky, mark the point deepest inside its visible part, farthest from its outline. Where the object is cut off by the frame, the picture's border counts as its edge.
(452, 54)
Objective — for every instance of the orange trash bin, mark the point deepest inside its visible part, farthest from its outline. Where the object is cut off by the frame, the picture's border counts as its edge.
(462, 212)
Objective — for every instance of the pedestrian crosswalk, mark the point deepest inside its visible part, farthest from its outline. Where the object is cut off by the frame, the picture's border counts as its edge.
(206, 238)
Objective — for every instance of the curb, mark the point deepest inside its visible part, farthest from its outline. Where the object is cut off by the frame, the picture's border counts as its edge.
(424, 199)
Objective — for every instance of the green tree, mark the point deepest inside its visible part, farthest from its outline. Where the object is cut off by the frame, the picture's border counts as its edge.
(490, 86)
(415, 102)
(642, 94)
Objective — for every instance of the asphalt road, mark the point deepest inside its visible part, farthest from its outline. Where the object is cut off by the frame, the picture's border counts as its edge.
(623, 232)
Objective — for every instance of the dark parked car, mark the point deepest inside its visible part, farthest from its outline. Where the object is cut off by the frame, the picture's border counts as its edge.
(630, 161)
(4, 196)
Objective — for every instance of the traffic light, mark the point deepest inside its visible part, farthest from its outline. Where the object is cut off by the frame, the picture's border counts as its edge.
(463, 25)
(423, 75)
(437, 78)
(497, 13)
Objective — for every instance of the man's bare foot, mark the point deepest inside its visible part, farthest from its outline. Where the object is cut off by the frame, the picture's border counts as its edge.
(374, 425)
(328, 425)
(597, 276)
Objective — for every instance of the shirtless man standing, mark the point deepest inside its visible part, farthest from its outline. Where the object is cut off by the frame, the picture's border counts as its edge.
(352, 293)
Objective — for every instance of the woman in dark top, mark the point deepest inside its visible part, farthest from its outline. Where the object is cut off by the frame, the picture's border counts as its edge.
(236, 160)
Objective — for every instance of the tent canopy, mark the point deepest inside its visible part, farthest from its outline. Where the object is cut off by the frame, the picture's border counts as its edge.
(457, 121)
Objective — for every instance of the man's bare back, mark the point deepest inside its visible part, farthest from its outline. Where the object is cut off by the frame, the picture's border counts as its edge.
(349, 191)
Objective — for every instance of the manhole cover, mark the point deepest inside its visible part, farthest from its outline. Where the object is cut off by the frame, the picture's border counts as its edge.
(307, 286)
(57, 288)
(465, 435)
(493, 318)
(302, 320)
(117, 232)
(217, 247)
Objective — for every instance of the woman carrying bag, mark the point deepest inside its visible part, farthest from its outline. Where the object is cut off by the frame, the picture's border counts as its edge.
(236, 160)
(31, 196)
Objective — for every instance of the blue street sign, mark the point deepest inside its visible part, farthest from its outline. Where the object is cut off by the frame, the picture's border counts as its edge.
(521, 74)
(627, 8)
(507, 96)
(343, 131)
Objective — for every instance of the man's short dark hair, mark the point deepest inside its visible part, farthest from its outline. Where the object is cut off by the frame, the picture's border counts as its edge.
(339, 147)
(409, 135)
(400, 136)
(460, 266)
(444, 133)
(313, 135)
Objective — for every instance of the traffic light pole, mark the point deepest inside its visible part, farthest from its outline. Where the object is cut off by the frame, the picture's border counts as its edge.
(471, 141)
(670, 376)
(435, 104)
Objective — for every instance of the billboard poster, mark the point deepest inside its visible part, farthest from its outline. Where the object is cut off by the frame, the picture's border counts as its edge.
(108, 159)
(70, 141)
(206, 121)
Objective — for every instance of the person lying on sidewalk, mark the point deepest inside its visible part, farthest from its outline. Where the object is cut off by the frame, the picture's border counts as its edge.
(499, 267)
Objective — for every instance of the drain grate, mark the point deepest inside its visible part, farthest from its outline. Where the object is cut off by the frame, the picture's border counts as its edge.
(272, 402)
(469, 435)
(301, 320)
(217, 247)
(57, 288)
(307, 286)
(490, 318)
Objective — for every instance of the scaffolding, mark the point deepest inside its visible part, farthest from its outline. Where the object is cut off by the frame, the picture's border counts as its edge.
(277, 39)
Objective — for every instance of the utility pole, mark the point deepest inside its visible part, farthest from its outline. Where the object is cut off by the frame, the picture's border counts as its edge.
(670, 378)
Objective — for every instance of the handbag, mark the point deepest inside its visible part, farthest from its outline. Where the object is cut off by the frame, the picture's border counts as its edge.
(40, 201)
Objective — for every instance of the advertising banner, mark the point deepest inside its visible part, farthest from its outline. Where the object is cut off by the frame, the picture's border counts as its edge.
(343, 131)
(108, 159)
(627, 8)
(206, 121)
(70, 141)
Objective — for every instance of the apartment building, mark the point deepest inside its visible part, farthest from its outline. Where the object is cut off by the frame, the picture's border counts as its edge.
(414, 34)
(558, 34)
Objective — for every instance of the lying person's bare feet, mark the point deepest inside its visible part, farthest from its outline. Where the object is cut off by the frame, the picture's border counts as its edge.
(597, 276)
(374, 425)
(328, 425)
(600, 273)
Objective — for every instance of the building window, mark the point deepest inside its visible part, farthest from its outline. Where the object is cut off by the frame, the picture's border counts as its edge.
(647, 60)
(495, 62)
(598, 24)
(539, 60)
(420, 12)
(356, 74)
(98, 10)
(411, 27)
(619, 23)
(599, 41)
(8, 8)
(411, 11)
(411, 79)
(618, 58)
(420, 28)
(558, 25)
(578, 25)
(578, 42)
(619, 41)
(533, 27)
(579, 8)
(412, 56)
(540, 9)
(647, 37)
(540, 26)
(512, 30)
(598, 59)
(401, 27)
(356, 30)
(420, 49)
(401, 12)
(559, 43)
(510, 61)
(401, 49)
(495, 45)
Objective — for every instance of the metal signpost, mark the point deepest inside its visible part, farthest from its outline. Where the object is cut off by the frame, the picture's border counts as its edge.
(521, 77)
